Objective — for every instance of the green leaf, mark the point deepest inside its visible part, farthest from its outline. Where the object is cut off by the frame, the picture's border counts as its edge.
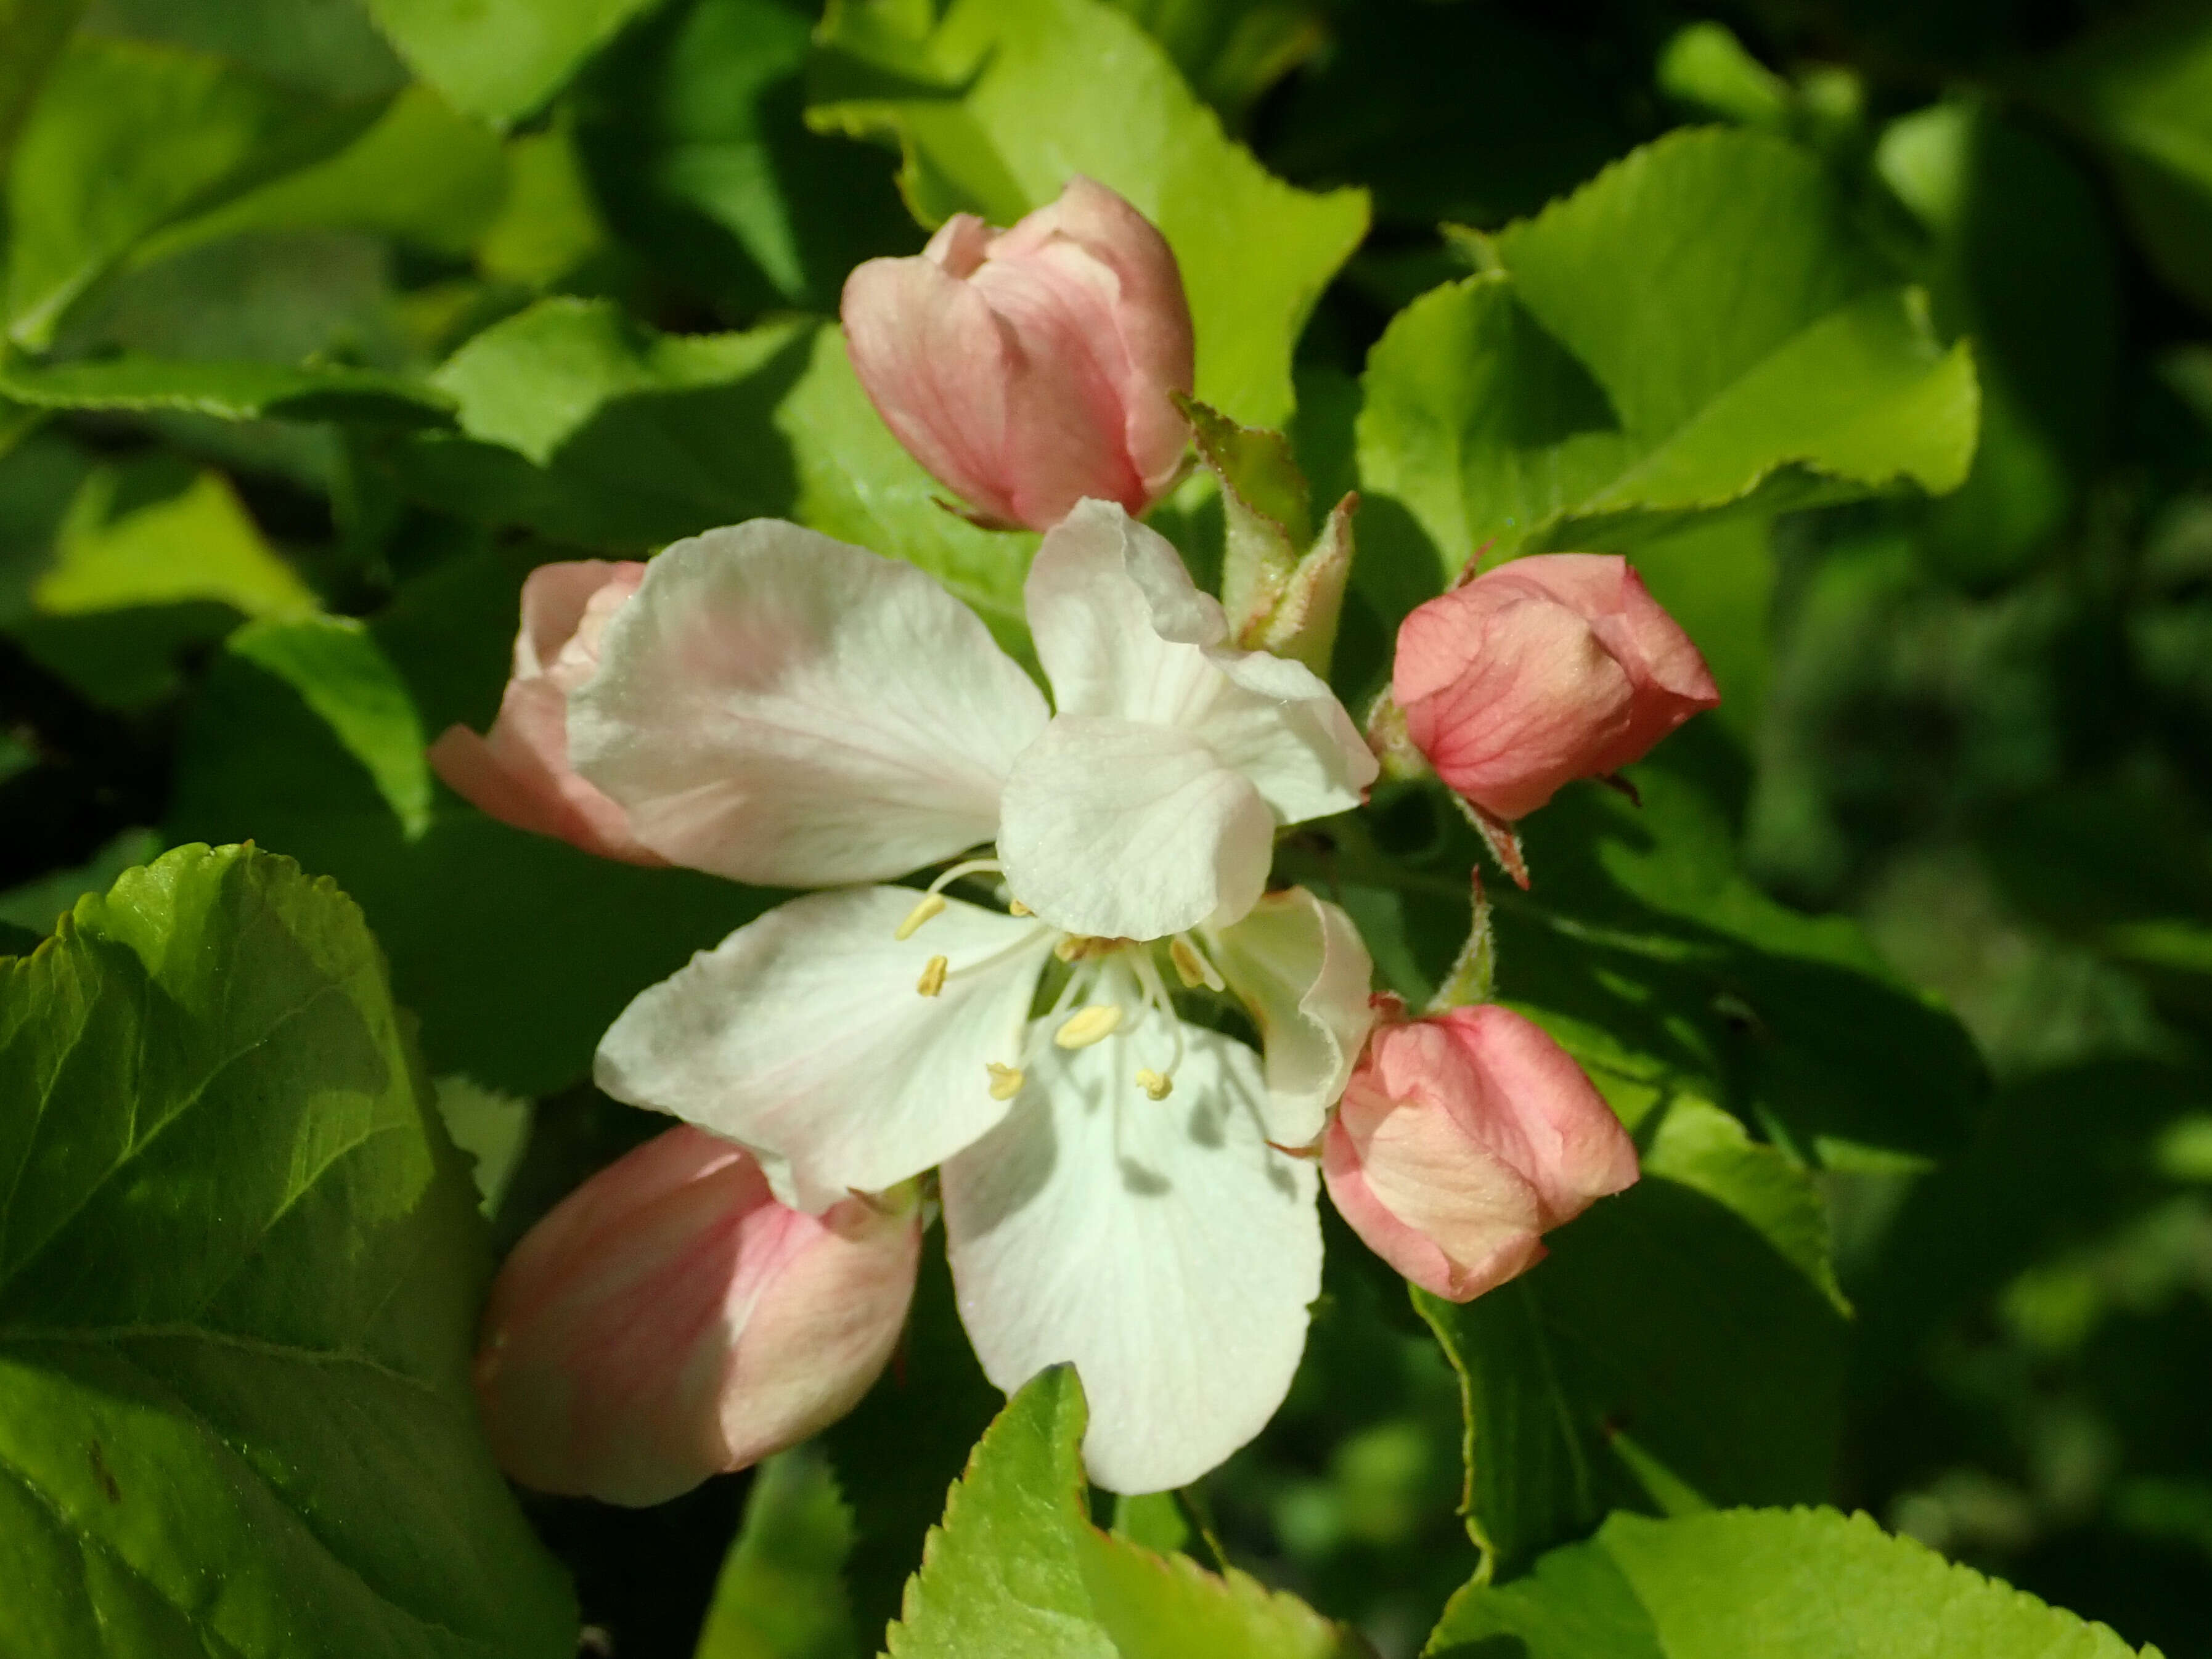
(533, 382)
(425, 174)
(128, 138)
(1682, 1347)
(200, 543)
(585, 425)
(548, 224)
(1003, 101)
(347, 682)
(226, 390)
(239, 1283)
(151, 559)
(518, 951)
(32, 36)
(1017, 1568)
(1661, 968)
(1716, 577)
(2141, 88)
(782, 1592)
(1656, 963)
(328, 47)
(2020, 261)
(1704, 66)
(1699, 328)
(17, 422)
(491, 1129)
(1232, 51)
(1811, 1583)
(693, 128)
(500, 59)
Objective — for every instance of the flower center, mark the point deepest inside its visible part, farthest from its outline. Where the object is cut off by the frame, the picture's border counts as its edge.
(1115, 987)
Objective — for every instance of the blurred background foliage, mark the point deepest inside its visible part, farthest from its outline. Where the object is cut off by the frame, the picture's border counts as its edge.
(1982, 725)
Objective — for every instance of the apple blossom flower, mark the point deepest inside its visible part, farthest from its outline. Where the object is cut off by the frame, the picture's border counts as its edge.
(519, 772)
(1462, 1139)
(1557, 666)
(784, 710)
(669, 1320)
(1027, 369)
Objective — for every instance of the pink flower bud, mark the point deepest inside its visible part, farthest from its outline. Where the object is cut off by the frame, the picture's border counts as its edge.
(669, 1320)
(1548, 668)
(518, 773)
(1462, 1139)
(1030, 368)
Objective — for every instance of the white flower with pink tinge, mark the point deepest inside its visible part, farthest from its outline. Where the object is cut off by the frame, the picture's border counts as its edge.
(787, 710)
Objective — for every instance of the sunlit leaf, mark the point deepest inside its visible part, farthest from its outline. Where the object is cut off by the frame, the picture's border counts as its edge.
(500, 59)
(226, 390)
(780, 1594)
(239, 1282)
(1017, 1568)
(1700, 325)
(1811, 1583)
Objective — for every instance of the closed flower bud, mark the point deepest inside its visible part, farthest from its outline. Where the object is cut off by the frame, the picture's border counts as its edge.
(1029, 369)
(1462, 1139)
(1551, 668)
(670, 1320)
(519, 772)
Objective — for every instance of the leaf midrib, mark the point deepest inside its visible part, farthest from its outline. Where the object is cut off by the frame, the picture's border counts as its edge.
(186, 1331)
(182, 1108)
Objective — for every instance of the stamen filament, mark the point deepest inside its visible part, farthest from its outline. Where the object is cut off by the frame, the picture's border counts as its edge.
(1192, 965)
(969, 867)
(1156, 999)
(1026, 942)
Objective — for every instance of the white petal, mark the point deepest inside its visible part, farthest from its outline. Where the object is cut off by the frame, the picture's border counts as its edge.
(1163, 1247)
(1279, 725)
(802, 1036)
(1124, 831)
(1121, 631)
(1299, 962)
(779, 708)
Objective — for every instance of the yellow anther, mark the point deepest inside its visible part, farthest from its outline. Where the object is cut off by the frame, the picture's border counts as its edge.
(1154, 1084)
(1192, 968)
(1005, 1081)
(932, 976)
(1088, 1026)
(1016, 907)
(931, 905)
(1070, 947)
